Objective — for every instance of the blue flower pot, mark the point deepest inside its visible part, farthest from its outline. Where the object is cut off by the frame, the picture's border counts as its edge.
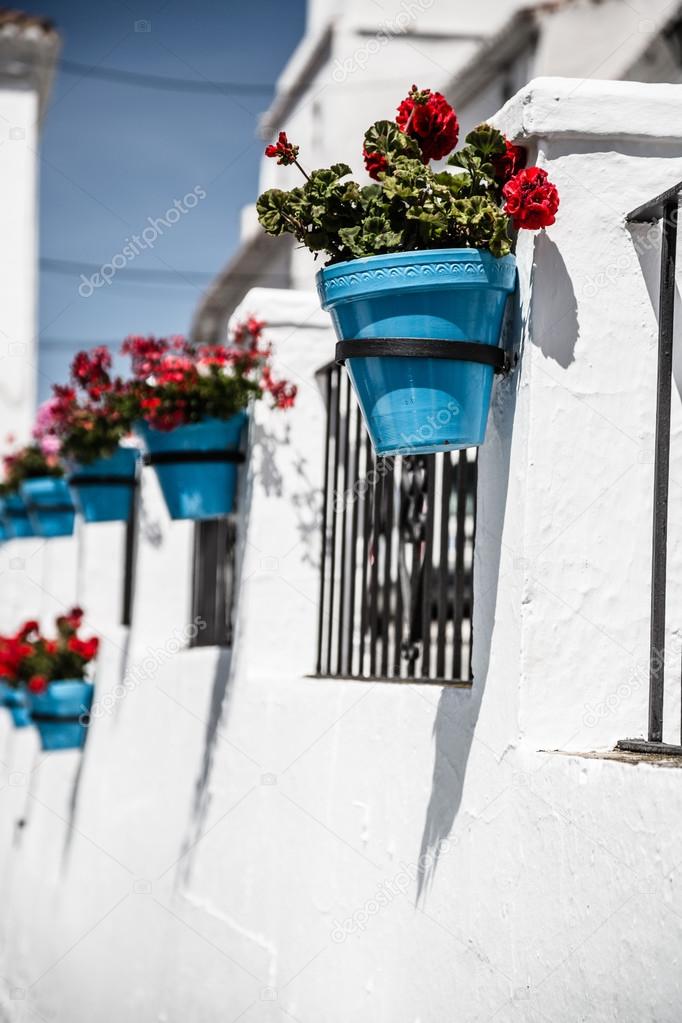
(197, 465)
(14, 700)
(417, 405)
(4, 531)
(61, 713)
(49, 505)
(15, 517)
(104, 489)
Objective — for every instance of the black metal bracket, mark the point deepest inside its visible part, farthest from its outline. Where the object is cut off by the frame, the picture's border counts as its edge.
(31, 506)
(177, 457)
(425, 348)
(61, 719)
(642, 746)
(102, 479)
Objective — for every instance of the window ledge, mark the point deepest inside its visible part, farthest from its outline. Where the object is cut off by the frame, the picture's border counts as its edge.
(622, 756)
(442, 682)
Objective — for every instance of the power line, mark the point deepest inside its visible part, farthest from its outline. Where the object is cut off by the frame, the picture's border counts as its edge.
(110, 74)
(205, 85)
(140, 275)
(70, 267)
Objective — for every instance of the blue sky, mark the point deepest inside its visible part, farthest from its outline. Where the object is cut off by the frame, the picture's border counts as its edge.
(114, 155)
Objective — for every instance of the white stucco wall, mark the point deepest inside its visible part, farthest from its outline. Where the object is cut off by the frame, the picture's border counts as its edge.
(242, 842)
(18, 256)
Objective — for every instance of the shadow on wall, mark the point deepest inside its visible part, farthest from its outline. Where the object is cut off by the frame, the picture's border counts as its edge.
(221, 678)
(554, 320)
(458, 709)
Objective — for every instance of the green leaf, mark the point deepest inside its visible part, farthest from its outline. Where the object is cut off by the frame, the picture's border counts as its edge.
(486, 140)
(385, 137)
(271, 207)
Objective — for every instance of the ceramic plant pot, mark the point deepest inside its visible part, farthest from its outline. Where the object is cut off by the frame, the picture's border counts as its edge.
(104, 490)
(427, 386)
(197, 465)
(49, 505)
(61, 713)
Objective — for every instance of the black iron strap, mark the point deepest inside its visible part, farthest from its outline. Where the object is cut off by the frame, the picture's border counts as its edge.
(425, 348)
(38, 508)
(172, 457)
(96, 480)
(82, 719)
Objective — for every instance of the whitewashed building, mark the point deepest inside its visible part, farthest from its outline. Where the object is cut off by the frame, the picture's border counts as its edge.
(252, 836)
(28, 50)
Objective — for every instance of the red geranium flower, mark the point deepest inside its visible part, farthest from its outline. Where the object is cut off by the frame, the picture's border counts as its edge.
(283, 151)
(508, 163)
(531, 199)
(375, 163)
(30, 626)
(85, 648)
(37, 684)
(428, 117)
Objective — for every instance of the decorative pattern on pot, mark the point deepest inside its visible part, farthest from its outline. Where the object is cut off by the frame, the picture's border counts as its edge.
(14, 700)
(15, 517)
(197, 465)
(104, 489)
(49, 505)
(417, 394)
(62, 713)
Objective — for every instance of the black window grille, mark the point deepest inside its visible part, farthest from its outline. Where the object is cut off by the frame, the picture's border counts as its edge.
(396, 575)
(663, 208)
(213, 578)
(130, 555)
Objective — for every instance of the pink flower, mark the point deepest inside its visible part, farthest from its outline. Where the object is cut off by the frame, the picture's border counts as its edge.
(50, 445)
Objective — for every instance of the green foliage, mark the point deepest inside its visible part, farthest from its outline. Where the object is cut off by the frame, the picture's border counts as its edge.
(411, 207)
(28, 463)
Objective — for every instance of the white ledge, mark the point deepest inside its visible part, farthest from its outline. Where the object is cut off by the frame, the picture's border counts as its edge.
(587, 108)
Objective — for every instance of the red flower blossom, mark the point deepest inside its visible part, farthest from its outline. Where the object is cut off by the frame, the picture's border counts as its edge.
(375, 164)
(173, 369)
(30, 626)
(37, 684)
(428, 117)
(283, 151)
(75, 617)
(150, 404)
(531, 200)
(91, 371)
(85, 648)
(508, 163)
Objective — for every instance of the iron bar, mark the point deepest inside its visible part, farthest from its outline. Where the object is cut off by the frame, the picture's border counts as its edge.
(354, 539)
(342, 495)
(335, 480)
(325, 506)
(666, 313)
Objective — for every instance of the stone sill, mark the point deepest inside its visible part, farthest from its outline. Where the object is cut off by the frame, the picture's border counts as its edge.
(443, 683)
(623, 757)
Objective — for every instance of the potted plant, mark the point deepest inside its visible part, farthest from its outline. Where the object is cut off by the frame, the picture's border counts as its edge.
(419, 267)
(14, 650)
(35, 496)
(89, 421)
(50, 676)
(190, 402)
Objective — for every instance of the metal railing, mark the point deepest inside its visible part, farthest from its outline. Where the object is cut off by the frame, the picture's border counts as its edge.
(663, 208)
(396, 563)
